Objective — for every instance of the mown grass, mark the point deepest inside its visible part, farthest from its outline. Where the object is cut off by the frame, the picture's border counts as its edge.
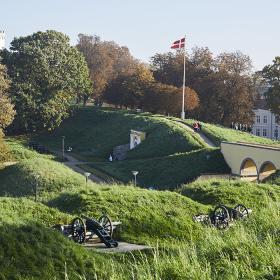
(182, 249)
(167, 172)
(93, 133)
(169, 157)
(218, 133)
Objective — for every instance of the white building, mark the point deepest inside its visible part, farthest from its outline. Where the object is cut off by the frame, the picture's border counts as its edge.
(266, 124)
(2, 40)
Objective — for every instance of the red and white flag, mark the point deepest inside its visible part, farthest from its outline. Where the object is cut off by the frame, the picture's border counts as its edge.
(179, 44)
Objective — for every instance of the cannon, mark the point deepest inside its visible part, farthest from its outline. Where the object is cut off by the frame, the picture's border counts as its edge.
(222, 216)
(84, 229)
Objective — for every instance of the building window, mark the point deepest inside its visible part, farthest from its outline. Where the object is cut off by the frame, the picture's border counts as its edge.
(264, 119)
(258, 132)
(258, 119)
(264, 132)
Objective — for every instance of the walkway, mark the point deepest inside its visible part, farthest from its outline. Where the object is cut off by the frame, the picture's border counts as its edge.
(74, 163)
(204, 138)
(122, 248)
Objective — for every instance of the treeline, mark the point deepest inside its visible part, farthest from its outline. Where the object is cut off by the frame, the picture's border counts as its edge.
(219, 89)
(43, 77)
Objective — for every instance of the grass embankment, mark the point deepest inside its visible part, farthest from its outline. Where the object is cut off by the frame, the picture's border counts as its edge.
(186, 250)
(218, 133)
(169, 157)
(167, 172)
(93, 132)
(31, 250)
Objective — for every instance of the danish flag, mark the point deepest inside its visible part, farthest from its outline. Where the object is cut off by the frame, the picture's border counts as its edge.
(179, 44)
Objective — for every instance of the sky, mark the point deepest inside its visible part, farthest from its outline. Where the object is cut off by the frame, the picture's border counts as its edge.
(147, 27)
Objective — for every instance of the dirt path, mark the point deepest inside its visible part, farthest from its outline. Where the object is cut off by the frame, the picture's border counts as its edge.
(202, 136)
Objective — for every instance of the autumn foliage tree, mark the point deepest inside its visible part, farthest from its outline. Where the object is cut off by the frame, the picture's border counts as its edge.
(129, 90)
(223, 83)
(106, 61)
(140, 90)
(7, 111)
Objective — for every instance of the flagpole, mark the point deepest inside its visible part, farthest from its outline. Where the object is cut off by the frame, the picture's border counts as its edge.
(184, 82)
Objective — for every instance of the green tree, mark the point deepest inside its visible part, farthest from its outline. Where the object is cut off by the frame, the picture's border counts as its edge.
(47, 75)
(271, 74)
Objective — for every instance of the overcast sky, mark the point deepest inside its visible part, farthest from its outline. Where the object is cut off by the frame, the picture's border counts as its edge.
(150, 26)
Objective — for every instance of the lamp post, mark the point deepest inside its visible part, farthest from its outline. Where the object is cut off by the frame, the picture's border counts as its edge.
(36, 187)
(135, 173)
(63, 138)
(87, 174)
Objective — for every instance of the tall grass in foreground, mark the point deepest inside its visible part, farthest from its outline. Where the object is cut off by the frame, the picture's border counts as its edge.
(182, 249)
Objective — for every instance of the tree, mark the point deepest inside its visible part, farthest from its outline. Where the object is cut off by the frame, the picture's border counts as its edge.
(129, 91)
(167, 99)
(191, 99)
(236, 95)
(47, 75)
(223, 84)
(7, 112)
(271, 74)
(106, 61)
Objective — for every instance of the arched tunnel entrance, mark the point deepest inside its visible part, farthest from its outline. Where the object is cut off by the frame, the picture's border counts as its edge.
(249, 170)
(267, 169)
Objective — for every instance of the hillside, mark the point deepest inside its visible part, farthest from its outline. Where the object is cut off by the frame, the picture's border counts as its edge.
(218, 133)
(183, 249)
(93, 132)
(164, 160)
(31, 250)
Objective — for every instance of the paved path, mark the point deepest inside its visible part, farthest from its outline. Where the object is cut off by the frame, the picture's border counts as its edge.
(122, 248)
(9, 163)
(73, 163)
(202, 136)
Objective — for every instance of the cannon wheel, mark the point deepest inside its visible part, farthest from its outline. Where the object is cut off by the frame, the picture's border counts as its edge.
(221, 217)
(242, 211)
(106, 223)
(78, 230)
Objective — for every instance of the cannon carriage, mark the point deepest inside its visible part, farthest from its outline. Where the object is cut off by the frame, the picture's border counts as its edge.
(223, 216)
(84, 229)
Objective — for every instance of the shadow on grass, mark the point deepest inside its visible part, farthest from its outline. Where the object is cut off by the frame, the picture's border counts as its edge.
(34, 252)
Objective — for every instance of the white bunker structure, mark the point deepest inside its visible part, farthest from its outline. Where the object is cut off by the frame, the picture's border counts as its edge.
(136, 138)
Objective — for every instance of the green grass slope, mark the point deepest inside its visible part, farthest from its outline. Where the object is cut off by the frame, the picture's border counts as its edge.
(31, 250)
(183, 249)
(219, 133)
(93, 132)
(167, 172)
(214, 192)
